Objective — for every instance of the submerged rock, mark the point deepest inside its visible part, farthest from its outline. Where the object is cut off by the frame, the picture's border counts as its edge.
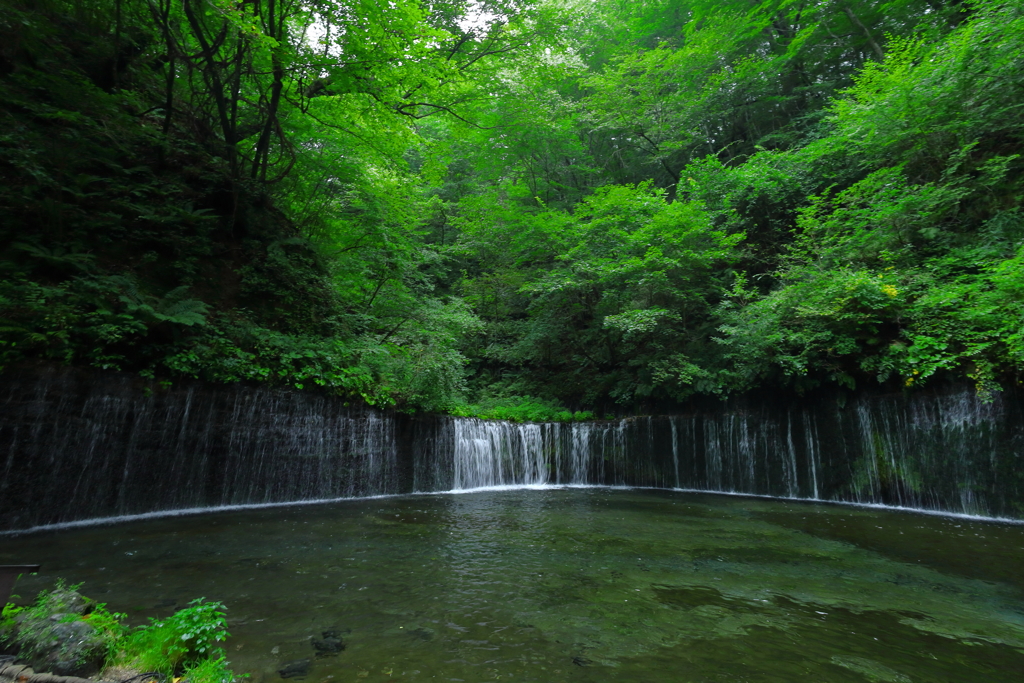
(296, 669)
(330, 645)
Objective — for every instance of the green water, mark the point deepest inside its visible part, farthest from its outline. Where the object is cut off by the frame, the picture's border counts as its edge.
(573, 585)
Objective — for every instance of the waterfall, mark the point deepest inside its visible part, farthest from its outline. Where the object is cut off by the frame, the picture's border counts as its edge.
(79, 445)
(579, 453)
(489, 453)
(949, 452)
(811, 441)
(503, 453)
(100, 446)
(675, 449)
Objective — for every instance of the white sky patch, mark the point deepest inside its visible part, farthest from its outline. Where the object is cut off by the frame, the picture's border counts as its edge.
(476, 19)
(318, 39)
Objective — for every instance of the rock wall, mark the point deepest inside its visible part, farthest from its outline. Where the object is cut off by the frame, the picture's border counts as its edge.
(78, 445)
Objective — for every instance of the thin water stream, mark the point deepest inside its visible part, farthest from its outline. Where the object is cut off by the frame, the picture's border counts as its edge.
(572, 584)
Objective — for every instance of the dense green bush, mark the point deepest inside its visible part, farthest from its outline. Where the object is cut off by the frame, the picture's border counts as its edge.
(188, 643)
(521, 409)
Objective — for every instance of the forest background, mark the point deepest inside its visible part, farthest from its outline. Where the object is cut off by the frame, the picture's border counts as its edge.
(515, 208)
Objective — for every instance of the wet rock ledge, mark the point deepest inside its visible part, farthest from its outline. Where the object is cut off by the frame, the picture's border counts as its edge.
(10, 672)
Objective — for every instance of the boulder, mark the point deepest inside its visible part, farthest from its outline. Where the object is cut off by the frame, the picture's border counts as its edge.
(74, 649)
(63, 600)
(52, 637)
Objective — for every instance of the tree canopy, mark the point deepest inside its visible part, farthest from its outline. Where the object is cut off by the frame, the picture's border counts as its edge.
(515, 207)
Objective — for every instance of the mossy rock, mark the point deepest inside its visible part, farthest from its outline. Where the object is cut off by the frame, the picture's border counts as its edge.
(52, 635)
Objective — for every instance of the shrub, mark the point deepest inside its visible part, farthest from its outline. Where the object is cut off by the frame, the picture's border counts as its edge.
(186, 640)
(61, 622)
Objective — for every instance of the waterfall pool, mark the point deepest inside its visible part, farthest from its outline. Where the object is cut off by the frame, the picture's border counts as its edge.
(571, 584)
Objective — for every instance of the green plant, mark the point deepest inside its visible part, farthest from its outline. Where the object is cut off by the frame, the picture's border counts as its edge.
(521, 409)
(186, 639)
(10, 610)
(210, 670)
(63, 599)
(108, 625)
(186, 643)
(62, 628)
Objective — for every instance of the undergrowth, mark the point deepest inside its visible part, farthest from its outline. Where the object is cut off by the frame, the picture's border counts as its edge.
(187, 644)
(522, 409)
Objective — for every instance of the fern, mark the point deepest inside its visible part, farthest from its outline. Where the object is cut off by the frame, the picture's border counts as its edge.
(186, 312)
(58, 256)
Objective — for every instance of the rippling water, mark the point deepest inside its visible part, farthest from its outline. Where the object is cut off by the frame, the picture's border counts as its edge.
(573, 585)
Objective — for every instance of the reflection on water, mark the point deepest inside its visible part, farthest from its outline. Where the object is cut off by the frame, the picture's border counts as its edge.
(572, 584)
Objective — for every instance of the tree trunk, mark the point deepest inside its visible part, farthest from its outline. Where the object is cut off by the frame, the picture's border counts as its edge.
(867, 34)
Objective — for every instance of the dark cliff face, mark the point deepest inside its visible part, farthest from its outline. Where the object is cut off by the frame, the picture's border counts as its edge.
(81, 445)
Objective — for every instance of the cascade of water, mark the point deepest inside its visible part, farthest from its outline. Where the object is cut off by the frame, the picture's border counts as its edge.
(579, 454)
(74, 449)
(811, 444)
(713, 449)
(614, 455)
(79, 449)
(792, 485)
(647, 467)
(491, 453)
(536, 464)
(494, 453)
(475, 461)
(882, 473)
(954, 438)
(675, 449)
(746, 446)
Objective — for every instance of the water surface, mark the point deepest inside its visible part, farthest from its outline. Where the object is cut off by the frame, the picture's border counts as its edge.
(572, 584)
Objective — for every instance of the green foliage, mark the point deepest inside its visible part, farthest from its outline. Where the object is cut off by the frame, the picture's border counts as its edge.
(187, 643)
(606, 300)
(34, 632)
(189, 638)
(210, 670)
(107, 624)
(879, 207)
(160, 219)
(929, 99)
(899, 275)
(521, 409)
(559, 203)
(814, 325)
